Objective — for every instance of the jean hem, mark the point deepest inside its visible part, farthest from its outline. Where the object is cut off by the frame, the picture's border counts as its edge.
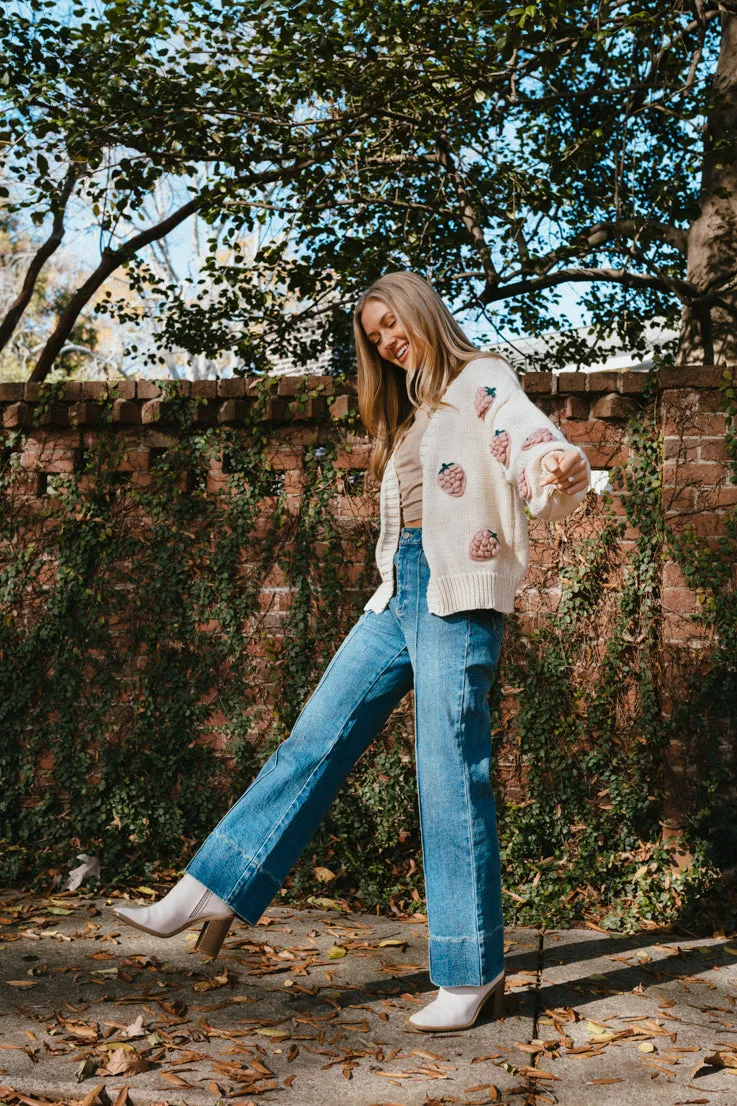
(466, 961)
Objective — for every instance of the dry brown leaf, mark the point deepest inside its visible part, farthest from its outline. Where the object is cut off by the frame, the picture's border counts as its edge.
(124, 1061)
(122, 1097)
(177, 1080)
(92, 1098)
(721, 1059)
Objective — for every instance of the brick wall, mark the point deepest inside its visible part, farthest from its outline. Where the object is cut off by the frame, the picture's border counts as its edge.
(591, 409)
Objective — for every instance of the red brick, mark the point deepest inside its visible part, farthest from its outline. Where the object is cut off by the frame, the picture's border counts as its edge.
(613, 406)
(17, 414)
(672, 576)
(682, 376)
(571, 383)
(134, 460)
(358, 457)
(217, 482)
(714, 449)
(605, 381)
(147, 389)
(698, 424)
(155, 410)
(93, 389)
(680, 601)
(275, 409)
(284, 458)
(11, 392)
(85, 413)
(232, 388)
(696, 473)
(123, 389)
(576, 407)
(682, 499)
(685, 449)
(632, 382)
(326, 384)
(342, 405)
(539, 383)
(203, 389)
(308, 409)
(705, 524)
(710, 498)
(56, 414)
(257, 385)
(126, 412)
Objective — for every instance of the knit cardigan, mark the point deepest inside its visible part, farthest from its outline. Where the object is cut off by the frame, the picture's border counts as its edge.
(481, 466)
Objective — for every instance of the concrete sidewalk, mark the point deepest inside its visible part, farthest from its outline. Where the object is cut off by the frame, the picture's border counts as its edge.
(309, 1007)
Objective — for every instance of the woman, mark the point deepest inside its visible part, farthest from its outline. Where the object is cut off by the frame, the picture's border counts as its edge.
(460, 451)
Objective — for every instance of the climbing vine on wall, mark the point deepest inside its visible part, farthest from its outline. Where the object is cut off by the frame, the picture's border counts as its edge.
(132, 638)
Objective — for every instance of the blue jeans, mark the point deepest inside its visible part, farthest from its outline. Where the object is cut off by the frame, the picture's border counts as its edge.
(451, 662)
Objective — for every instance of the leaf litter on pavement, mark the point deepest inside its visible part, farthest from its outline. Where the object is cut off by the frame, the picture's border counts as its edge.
(170, 1032)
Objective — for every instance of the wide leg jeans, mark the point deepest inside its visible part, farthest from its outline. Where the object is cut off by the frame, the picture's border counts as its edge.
(451, 662)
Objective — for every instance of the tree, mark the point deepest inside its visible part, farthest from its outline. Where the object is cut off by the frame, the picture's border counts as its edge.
(503, 152)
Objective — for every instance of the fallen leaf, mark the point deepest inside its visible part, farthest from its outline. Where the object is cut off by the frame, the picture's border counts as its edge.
(324, 874)
(335, 952)
(90, 866)
(124, 1061)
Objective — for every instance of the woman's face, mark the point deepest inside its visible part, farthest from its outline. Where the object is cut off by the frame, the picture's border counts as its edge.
(382, 327)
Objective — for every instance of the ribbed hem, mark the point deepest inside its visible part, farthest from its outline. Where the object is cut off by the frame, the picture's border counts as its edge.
(467, 591)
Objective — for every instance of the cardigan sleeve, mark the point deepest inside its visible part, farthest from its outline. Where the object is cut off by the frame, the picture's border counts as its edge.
(520, 436)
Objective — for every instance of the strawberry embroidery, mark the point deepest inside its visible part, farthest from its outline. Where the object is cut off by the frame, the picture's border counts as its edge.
(483, 399)
(524, 487)
(541, 435)
(452, 478)
(500, 446)
(484, 545)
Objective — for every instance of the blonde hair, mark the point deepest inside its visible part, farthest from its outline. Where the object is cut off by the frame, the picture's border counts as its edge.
(389, 394)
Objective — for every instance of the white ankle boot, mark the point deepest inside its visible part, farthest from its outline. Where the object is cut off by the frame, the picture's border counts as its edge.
(459, 1007)
(186, 904)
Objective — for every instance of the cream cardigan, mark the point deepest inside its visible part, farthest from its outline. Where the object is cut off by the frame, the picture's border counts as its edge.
(481, 464)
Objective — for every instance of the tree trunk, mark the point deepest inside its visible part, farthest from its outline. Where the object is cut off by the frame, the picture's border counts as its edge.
(709, 330)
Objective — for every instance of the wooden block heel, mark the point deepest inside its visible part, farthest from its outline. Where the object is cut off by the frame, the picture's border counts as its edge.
(496, 1001)
(212, 936)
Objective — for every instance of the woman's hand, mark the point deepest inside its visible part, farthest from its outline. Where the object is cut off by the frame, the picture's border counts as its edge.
(569, 472)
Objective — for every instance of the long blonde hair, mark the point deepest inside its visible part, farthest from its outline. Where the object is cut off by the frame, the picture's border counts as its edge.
(388, 394)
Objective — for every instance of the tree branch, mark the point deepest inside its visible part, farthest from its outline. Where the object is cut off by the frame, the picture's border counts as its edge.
(631, 228)
(682, 288)
(113, 259)
(468, 212)
(42, 255)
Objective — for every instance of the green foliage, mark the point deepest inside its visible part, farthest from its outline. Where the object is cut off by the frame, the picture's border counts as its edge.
(504, 152)
(130, 638)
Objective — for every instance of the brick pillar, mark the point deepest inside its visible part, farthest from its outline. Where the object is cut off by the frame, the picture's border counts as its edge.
(697, 491)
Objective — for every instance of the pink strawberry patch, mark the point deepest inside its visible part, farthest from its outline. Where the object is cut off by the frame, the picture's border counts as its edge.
(483, 399)
(500, 446)
(484, 545)
(451, 478)
(541, 435)
(524, 487)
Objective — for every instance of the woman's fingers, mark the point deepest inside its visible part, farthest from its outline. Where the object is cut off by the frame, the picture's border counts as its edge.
(568, 471)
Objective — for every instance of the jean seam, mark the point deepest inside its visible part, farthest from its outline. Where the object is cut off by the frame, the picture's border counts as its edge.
(461, 730)
(326, 754)
(471, 936)
(251, 860)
